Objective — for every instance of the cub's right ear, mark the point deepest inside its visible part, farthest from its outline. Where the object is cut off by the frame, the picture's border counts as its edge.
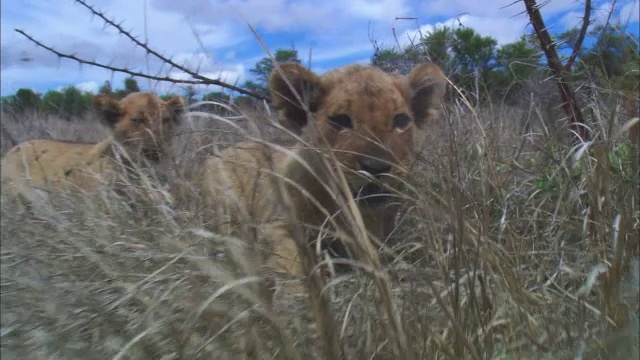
(108, 109)
(288, 83)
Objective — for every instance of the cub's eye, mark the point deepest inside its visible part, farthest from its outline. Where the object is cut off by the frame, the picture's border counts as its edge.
(340, 121)
(401, 121)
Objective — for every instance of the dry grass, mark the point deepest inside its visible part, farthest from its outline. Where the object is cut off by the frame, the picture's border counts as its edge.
(21, 127)
(509, 246)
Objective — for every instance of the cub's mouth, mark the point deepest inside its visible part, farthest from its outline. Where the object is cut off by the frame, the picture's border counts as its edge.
(372, 193)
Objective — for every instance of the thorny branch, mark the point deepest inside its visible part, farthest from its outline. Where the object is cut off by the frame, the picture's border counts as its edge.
(197, 78)
(568, 98)
(583, 32)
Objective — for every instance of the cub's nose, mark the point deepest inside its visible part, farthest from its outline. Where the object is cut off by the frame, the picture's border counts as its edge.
(375, 166)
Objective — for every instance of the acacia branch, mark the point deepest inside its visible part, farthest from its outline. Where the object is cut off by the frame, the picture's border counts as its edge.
(163, 58)
(583, 32)
(135, 40)
(197, 78)
(201, 80)
(567, 95)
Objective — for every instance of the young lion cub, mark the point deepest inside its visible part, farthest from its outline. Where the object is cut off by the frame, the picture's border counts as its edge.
(142, 123)
(369, 122)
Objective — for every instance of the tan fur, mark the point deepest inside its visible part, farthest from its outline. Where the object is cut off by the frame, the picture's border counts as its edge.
(141, 123)
(246, 176)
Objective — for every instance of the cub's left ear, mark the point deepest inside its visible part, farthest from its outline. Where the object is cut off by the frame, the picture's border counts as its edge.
(428, 85)
(177, 106)
(108, 109)
(287, 81)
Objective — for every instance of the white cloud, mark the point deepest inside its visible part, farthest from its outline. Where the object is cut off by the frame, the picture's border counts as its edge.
(623, 13)
(88, 86)
(504, 30)
(212, 36)
(382, 10)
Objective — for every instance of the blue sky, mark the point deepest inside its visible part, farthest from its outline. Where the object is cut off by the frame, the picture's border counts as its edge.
(337, 32)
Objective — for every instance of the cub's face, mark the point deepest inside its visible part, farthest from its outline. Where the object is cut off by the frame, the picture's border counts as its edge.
(141, 121)
(371, 120)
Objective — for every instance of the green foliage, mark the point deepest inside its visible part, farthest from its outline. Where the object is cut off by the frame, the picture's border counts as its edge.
(398, 61)
(24, 100)
(472, 58)
(69, 102)
(217, 96)
(554, 175)
(613, 60)
(621, 158)
(472, 51)
(263, 68)
(515, 63)
(106, 88)
(131, 85)
(462, 53)
(437, 44)
(518, 59)
(557, 175)
(75, 102)
(52, 102)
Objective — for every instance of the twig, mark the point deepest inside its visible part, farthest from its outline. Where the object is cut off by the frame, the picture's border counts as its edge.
(197, 78)
(583, 31)
(567, 95)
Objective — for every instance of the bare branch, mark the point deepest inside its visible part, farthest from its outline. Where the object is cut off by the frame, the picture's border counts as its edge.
(568, 99)
(583, 31)
(135, 40)
(201, 80)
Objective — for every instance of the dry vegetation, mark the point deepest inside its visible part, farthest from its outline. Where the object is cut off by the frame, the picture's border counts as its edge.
(510, 245)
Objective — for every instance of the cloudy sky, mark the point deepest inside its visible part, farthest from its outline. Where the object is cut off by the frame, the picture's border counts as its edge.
(213, 37)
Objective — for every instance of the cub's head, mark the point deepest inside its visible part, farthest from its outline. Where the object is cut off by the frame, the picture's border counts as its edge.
(141, 121)
(373, 121)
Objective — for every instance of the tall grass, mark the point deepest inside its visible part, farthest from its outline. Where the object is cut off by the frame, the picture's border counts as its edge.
(508, 244)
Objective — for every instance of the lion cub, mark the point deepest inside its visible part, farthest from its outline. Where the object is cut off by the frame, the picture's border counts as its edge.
(356, 123)
(141, 122)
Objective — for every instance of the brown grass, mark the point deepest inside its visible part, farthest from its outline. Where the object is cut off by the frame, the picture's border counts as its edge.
(503, 250)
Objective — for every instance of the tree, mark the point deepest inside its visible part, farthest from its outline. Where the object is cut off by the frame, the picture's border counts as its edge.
(438, 46)
(472, 57)
(397, 61)
(131, 85)
(106, 89)
(74, 102)
(26, 100)
(515, 63)
(52, 102)
(518, 59)
(263, 68)
(69, 102)
(614, 54)
(217, 96)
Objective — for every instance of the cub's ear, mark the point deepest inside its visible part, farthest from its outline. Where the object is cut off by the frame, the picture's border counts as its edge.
(288, 83)
(108, 109)
(428, 85)
(177, 106)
